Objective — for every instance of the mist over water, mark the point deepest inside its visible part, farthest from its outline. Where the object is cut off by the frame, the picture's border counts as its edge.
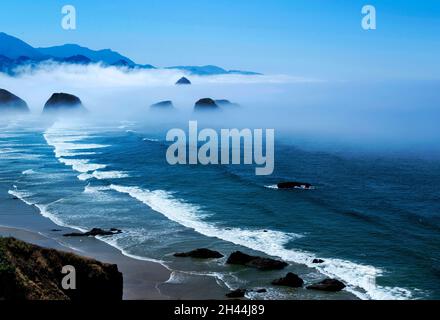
(316, 113)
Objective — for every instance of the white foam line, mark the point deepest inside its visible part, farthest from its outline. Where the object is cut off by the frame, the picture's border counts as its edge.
(81, 165)
(65, 144)
(102, 175)
(43, 209)
(28, 172)
(358, 277)
(90, 189)
(21, 195)
(113, 242)
(24, 196)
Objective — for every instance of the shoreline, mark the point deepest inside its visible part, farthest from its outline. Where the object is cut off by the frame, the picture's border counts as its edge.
(144, 279)
(141, 278)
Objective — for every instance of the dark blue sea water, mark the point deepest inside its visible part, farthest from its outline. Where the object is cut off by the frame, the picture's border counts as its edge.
(374, 218)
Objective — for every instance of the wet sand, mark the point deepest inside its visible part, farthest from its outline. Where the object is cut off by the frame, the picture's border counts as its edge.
(141, 278)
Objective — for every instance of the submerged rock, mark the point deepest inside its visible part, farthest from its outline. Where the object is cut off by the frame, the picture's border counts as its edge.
(11, 103)
(238, 293)
(183, 81)
(240, 258)
(30, 272)
(63, 102)
(331, 285)
(294, 185)
(262, 290)
(94, 232)
(200, 254)
(318, 261)
(290, 280)
(205, 104)
(163, 105)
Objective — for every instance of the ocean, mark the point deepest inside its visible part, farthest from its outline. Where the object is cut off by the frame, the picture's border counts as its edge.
(374, 218)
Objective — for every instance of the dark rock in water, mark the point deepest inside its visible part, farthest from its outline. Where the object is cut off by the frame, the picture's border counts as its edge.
(262, 290)
(331, 285)
(94, 232)
(15, 198)
(206, 104)
(290, 280)
(183, 81)
(317, 261)
(63, 102)
(30, 272)
(163, 105)
(239, 293)
(56, 230)
(240, 258)
(11, 103)
(200, 254)
(293, 185)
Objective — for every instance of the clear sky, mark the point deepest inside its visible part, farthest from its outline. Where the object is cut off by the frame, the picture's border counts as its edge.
(312, 38)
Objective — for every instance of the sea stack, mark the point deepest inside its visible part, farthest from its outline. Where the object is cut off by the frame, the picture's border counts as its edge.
(163, 105)
(63, 102)
(295, 185)
(206, 104)
(330, 285)
(10, 103)
(261, 263)
(183, 81)
(290, 280)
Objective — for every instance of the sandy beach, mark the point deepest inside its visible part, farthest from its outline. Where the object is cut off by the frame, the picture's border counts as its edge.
(141, 278)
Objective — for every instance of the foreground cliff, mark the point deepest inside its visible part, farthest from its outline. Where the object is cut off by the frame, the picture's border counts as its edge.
(29, 272)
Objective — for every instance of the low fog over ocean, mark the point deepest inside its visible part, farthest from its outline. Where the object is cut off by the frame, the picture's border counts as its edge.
(375, 115)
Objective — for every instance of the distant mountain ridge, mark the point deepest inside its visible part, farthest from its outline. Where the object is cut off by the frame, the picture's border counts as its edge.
(15, 52)
(14, 48)
(68, 50)
(210, 70)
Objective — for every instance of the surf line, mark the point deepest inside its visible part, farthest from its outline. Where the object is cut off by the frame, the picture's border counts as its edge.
(185, 147)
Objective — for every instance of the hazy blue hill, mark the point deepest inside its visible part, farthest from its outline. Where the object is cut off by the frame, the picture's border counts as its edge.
(69, 50)
(15, 52)
(210, 70)
(14, 48)
(78, 59)
(245, 73)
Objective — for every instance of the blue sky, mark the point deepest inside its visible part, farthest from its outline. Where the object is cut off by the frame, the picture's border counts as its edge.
(311, 38)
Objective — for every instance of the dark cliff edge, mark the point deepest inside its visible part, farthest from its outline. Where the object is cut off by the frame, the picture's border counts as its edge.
(30, 272)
